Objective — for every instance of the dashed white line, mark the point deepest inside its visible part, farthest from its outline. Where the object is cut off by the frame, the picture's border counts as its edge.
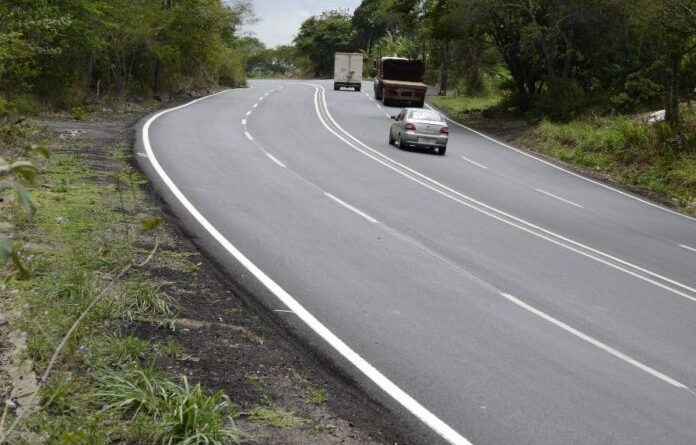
(255, 105)
(248, 113)
(559, 198)
(273, 158)
(261, 98)
(475, 163)
(248, 135)
(243, 121)
(266, 95)
(596, 343)
(351, 208)
(550, 164)
(684, 246)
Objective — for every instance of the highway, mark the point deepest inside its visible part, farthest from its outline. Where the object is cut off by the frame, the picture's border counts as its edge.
(487, 295)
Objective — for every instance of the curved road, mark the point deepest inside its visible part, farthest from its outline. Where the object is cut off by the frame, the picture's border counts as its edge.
(492, 296)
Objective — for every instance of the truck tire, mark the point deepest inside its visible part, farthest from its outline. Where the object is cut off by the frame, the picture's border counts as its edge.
(420, 104)
(336, 87)
(378, 93)
(358, 88)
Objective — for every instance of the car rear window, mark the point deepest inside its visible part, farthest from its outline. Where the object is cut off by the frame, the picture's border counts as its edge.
(425, 115)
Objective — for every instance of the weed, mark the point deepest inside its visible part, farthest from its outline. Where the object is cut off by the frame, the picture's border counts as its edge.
(183, 414)
(79, 114)
(318, 396)
(141, 300)
(273, 417)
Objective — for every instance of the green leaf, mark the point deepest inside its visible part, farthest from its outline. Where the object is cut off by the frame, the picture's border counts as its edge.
(19, 267)
(150, 223)
(25, 200)
(25, 169)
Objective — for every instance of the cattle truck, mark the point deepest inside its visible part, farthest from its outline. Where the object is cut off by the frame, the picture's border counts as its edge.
(400, 81)
(348, 69)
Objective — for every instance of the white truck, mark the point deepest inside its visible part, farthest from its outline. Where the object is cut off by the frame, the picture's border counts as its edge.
(348, 69)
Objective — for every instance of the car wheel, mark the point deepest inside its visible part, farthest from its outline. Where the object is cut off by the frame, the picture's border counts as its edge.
(441, 151)
(391, 139)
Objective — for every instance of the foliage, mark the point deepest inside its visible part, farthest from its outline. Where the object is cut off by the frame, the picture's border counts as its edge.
(68, 50)
(321, 36)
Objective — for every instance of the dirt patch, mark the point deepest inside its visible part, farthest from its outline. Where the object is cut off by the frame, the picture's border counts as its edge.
(282, 393)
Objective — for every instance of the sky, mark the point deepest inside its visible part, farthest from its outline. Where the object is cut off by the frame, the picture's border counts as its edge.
(279, 20)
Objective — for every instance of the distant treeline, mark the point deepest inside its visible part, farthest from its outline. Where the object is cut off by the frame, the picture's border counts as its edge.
(65, 51)
(557, 57)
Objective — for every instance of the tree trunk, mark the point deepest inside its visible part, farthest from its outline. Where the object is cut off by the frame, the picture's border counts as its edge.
(444, 69)
(672, 94)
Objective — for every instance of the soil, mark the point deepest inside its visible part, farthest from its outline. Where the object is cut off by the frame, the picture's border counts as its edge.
(227, 344)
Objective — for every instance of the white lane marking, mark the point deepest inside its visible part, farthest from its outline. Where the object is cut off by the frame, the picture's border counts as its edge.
(284, 311)
(142, 155)
(255, 105)
(351, 208)
(551, 164)
(248, 135)
(310, 320)
(248, 113)
(684, 246)
(596, 343)
(559, 198)
(273, 158)
(475, 163)
(266, 95)
(261, 98)
(494, 212)
(243, 121)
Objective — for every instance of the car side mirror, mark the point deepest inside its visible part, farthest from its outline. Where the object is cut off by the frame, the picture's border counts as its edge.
(393, 118)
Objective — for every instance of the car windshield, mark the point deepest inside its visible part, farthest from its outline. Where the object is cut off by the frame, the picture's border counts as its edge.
(425, 115)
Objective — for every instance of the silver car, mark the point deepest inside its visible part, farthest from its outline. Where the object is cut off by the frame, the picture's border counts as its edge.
(416, 127)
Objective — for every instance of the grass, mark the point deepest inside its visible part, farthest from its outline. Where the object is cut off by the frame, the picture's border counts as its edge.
(457, 106)
(277, 418)
(103, 389)
(318, 396)
(651, 157)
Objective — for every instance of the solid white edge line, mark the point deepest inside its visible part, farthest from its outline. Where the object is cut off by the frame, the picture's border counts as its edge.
(274, 159)
(248, 135)
(684, 246)
(558, 167)
(596, 343)
(351, 208)
(514, 220)
(475, 163)
(544, 192)
(379, 379)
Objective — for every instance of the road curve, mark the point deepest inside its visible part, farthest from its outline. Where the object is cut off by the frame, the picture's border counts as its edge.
(489, 295)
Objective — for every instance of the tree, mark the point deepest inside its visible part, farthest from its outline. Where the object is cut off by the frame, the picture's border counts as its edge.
(321, 36)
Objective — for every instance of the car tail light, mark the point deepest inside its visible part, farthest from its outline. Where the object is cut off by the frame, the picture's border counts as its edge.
(444, 130)
(411, 127)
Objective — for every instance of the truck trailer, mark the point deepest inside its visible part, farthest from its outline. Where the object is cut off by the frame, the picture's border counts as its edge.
(399, 81)
(348, 69)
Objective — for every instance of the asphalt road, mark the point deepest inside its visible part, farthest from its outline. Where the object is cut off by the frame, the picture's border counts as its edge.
(496, 298)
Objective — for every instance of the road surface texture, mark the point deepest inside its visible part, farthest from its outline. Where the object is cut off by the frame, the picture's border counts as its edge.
(488, 296)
